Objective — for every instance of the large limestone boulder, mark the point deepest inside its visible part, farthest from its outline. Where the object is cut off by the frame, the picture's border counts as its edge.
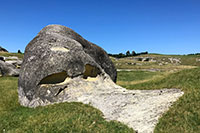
(56, 59)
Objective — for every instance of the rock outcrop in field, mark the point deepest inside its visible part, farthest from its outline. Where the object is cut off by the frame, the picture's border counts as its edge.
(60, 66)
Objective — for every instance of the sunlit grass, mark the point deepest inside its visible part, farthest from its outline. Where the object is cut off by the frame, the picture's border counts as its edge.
(136, 77)
(6, 54)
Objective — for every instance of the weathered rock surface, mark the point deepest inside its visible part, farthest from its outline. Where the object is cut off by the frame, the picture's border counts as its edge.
(139, 109)
(54, 55)
(10, 66)
(3, 49)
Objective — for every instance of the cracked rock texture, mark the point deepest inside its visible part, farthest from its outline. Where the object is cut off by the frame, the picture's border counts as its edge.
(139, 109)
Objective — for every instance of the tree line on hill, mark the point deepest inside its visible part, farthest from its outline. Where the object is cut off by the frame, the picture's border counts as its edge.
(128, 54)
(195, 54)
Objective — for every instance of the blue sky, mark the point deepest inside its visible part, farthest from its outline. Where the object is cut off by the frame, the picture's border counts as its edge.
(157, 26)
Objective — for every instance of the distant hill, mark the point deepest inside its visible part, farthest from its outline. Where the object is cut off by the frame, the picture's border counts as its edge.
(3, 49)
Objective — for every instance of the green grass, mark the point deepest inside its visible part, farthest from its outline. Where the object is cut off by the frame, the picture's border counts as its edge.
(135, 75)
(184, 115)
(20, 56)
(63, 117)
(130, 78)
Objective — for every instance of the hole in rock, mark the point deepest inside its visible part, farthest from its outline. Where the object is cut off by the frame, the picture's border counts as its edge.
(54, 78)
(90, 71)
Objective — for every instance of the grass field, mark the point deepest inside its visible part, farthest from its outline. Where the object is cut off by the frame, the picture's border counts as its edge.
(131, 78)
(182, 117)
(5, 54)
(162, 62)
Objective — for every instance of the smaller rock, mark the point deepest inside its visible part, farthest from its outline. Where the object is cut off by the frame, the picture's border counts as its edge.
(175, 60)
(146, 59)
(7, 69)
(2, 58)
(197, 60)
(15, 62)
(137, 58)
(11, 58)
(143, 59)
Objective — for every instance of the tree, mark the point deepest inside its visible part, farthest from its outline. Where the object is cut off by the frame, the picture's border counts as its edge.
(144, 52)
(121, 55)
(133, 53)
(128, 53)
(19, 52)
